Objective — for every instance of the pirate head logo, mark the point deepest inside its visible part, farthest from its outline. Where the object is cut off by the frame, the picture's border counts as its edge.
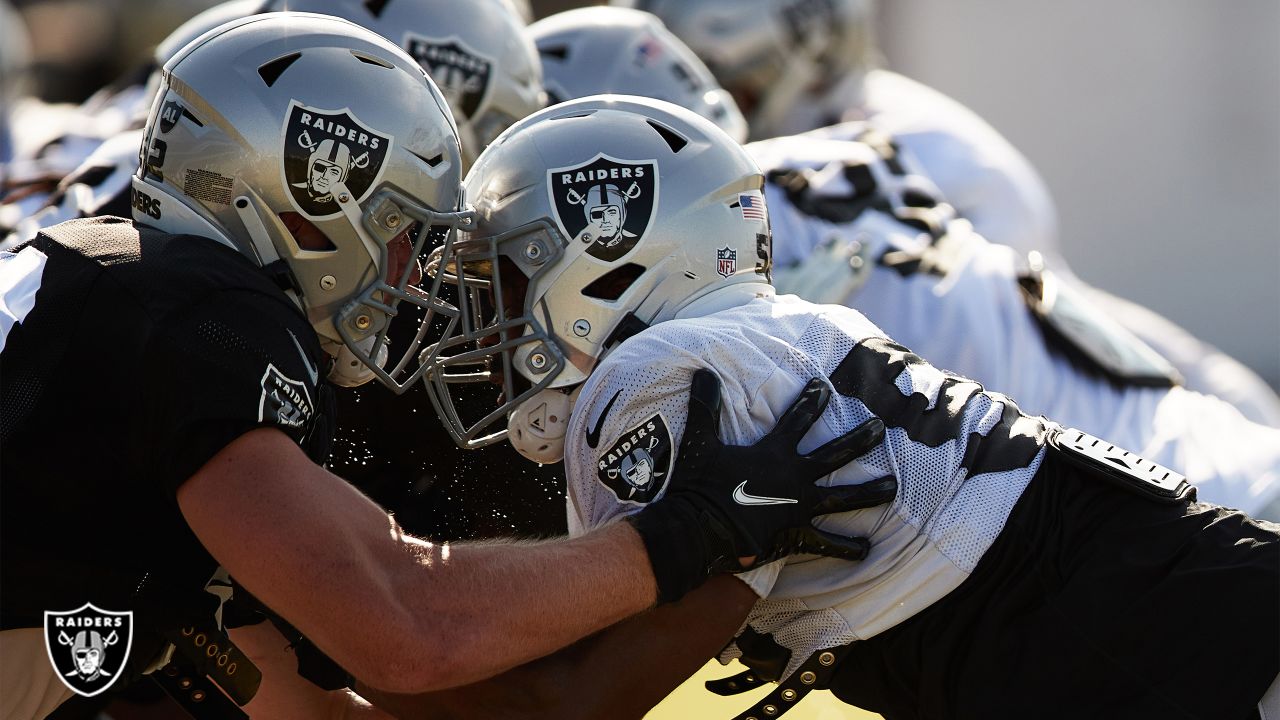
(462, 74)
(88, 646)
(328, 152)
(635, 467)
(605, 203)
(285, 401)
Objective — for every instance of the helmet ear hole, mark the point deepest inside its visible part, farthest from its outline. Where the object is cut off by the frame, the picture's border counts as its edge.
(614, 283)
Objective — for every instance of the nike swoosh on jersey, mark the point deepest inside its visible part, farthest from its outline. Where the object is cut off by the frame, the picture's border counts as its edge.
(741, 497)
(306, 361)
(593, 434)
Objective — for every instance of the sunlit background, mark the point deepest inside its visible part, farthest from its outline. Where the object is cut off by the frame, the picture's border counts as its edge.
(1156, 124)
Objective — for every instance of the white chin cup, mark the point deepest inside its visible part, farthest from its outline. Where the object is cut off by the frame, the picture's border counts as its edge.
(536, 427)
(348, 370)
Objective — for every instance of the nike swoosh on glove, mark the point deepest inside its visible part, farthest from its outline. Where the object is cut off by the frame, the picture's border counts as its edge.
(702, 525)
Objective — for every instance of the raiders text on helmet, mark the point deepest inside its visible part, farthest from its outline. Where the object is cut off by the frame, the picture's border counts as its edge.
(320, 151)
(596, 218)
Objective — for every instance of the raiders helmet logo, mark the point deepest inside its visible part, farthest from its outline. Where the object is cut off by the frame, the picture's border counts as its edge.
(635, 467)
(327, 152)
(88, 646)
(462, 74)
(606, 203)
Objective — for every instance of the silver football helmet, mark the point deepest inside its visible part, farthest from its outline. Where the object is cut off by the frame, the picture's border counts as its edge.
(475, 51)
(599, 50)
(596, 218)
(771, 54)
(320, 151)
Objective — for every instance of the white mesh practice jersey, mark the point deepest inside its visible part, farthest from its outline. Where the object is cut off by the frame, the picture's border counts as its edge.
(962, 456)
(979, 171)
(956, 301)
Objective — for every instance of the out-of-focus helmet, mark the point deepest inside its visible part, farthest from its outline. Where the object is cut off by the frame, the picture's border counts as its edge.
(320, 151)
(567, 284)
(772, 53)
(15, 62)
(599, 50)
(475, 51)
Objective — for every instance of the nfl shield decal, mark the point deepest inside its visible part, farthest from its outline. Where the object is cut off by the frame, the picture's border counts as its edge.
(461, 73)
(327, 152)
(605, 203)
(635, 467)
(88, 646)
(726, 261)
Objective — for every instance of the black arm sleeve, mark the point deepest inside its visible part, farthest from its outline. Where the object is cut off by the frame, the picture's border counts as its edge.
(234, 361)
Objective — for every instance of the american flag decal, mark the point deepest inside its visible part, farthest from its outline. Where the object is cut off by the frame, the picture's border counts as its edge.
(752, 207)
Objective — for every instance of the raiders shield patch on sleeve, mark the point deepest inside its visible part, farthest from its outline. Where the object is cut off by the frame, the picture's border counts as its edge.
(635, 467)
(284, 401)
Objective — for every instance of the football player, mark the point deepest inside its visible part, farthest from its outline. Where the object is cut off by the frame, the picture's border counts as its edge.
(163, 385)
(857, 222)
(1024, 570)
(476, 53)
(800, 65)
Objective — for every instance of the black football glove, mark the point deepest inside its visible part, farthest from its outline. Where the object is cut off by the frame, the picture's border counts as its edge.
(730, 508)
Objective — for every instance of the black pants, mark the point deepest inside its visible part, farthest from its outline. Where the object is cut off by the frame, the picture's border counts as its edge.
(1093, 603)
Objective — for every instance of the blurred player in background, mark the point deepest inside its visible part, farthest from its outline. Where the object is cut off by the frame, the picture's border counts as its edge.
(1001, 547)
(858, 222)
(799, 65)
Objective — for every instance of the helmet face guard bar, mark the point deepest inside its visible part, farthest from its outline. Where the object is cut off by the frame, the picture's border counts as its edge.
(480, 330)
(368, 316)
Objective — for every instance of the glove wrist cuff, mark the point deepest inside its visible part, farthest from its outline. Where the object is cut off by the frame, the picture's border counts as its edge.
(673, 535)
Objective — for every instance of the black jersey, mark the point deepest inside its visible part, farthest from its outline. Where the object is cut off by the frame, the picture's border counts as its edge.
(144, 354)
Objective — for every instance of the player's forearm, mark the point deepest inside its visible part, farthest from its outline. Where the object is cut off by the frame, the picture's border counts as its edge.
(491, 607)
(659, 649)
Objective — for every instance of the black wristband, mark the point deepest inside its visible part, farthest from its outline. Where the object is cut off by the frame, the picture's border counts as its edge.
(685, 545)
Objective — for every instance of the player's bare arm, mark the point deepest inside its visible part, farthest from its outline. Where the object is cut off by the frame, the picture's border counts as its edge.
(621, 672)
(399, 613)
(405, 615)
(286, 694)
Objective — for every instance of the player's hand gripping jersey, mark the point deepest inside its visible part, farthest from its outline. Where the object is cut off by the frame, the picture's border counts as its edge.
(962, 456)
(854, 224)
